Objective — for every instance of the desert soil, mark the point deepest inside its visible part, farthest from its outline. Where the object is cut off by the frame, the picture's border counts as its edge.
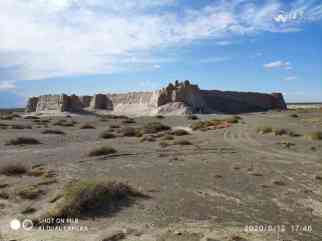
(227, 186)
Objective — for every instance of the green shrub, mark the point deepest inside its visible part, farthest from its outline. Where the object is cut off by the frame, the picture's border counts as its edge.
(102, 151)
(23, 141)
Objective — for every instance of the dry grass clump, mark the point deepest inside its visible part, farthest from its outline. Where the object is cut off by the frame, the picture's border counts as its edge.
(182, 142)
(87, 126)
(314, 136)
(29, 192)
(159, 117)
(154, 127)
(9, 116)
(31, 117)
(53, 132)
(167, 138)
(23, 141)
(115, 126)
(130, 132)
(107, 135)
(192, 117)
(128, 121)
(147, 138)
(13, 169)
(102, 151)
(65, 123)
(280, 132)
(3, 126)
(180, 132)
(85, 197)
(264, 130)
(294, 115)
(4, 195)
(213, 124)
(20, 127)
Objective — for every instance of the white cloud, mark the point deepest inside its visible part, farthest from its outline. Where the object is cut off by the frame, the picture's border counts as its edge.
(50, 38)
(289, 78)
(214, 60)
(156, 66)
(279, 64)
(7, 85)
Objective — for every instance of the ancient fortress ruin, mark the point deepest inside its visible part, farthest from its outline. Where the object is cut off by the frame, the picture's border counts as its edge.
(178, 98)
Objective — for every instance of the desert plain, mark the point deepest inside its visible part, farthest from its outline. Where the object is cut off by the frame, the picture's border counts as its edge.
(255, 176)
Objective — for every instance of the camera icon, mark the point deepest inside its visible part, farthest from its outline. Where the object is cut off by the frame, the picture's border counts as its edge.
(26, 224)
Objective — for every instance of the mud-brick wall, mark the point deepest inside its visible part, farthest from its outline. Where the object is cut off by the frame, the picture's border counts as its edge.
(238, 102)
(55, 103)
(142, 98)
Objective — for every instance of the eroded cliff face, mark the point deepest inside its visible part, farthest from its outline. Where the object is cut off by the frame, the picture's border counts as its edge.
(178, 98)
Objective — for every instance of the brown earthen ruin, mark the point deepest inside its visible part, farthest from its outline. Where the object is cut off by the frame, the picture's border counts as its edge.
(177, 98)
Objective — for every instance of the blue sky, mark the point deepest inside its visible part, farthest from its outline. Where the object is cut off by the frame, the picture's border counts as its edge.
(90, 46)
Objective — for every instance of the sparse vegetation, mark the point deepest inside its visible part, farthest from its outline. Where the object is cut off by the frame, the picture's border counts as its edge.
(107, 135)
(314, 136)
(182, 142)
(102, 151)
(180, 132)
(23, 141)
(264, 130)
(192, 117)
(167, 138)
(87, 126)
(128, 121)
(82, 197)
(53, 132)
(147, 138)
(154, 127)
(29, 192)
(13, 169)
(294, 115)
(65, 123)
(213, 124)
(280, 132)
(20, 127)
(130, 132)
(159, 116)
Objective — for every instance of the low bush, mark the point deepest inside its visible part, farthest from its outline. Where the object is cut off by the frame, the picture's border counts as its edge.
(65, 123)
(182, 142)
(79, 198)
(53, 132)
(264, 130)
(20, 127)
(159, 116)
(128, 121)
(294, 116)
(13, 169)
(29, 192)
(107, 135)
(314, 136)
(154, 127)
(192, 117)
(130, 132)
(23, 141)
(87, 126)
(167, 138)
(102, 151)
(180, 132)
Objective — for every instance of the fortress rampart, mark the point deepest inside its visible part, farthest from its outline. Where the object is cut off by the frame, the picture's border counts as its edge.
(177, 98)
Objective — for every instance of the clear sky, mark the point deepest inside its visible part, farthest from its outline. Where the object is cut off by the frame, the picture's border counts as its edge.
(90, 46)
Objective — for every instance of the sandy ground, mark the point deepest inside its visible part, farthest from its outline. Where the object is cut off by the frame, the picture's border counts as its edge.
(232, 184)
